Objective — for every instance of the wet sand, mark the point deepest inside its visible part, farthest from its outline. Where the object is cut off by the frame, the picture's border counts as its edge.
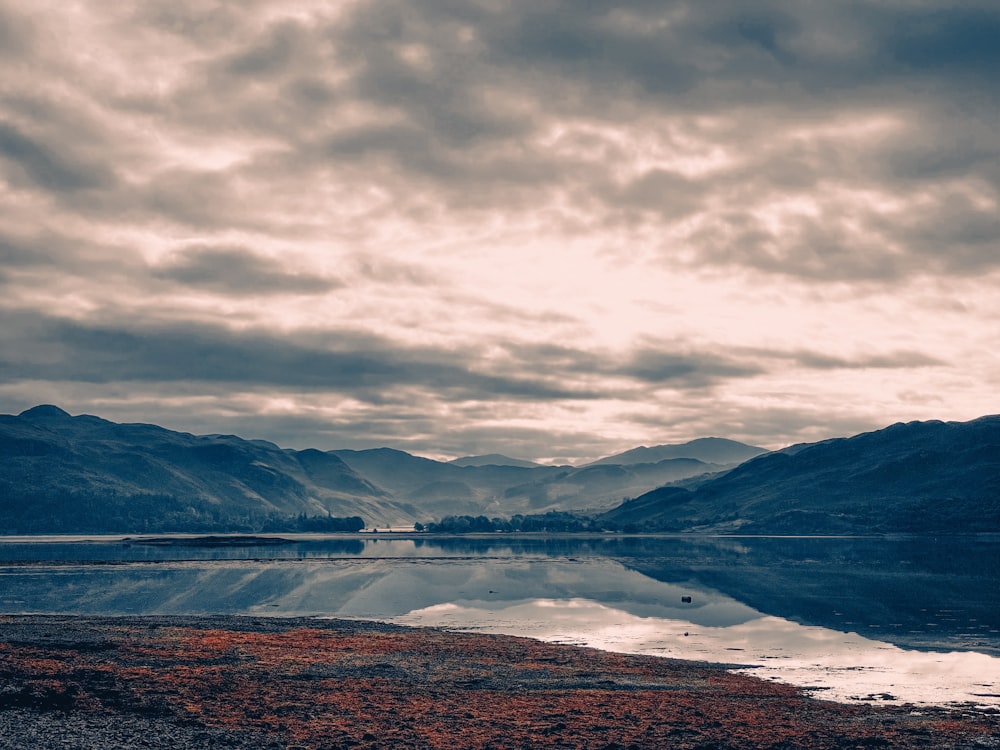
(242, 682)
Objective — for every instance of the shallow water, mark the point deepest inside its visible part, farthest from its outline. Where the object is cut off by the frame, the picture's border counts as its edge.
(905, 620)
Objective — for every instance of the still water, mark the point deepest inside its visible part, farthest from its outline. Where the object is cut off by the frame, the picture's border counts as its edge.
(909, 620)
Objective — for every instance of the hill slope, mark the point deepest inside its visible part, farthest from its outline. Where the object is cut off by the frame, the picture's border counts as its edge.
(915, 477)
(86, 474)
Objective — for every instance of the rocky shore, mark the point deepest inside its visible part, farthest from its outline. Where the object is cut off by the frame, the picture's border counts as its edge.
(240, 682)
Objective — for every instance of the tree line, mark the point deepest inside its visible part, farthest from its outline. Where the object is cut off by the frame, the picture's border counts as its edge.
(552, 521)
(108, 511)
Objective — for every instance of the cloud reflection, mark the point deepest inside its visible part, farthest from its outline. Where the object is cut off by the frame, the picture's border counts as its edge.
(833, 665)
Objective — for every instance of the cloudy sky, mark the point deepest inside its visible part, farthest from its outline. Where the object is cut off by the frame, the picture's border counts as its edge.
(548, 229)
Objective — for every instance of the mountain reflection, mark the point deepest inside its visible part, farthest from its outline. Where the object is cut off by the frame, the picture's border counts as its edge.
(913, 592)
(845, 604)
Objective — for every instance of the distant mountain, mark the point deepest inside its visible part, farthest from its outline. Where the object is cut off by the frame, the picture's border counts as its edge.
(437, 488)
(493, 459)
(915, 477)
(441, 488)
(596, 487)
(710, 450)
(86, 474)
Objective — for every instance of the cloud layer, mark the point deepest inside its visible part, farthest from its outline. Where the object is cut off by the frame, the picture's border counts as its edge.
(546, 229)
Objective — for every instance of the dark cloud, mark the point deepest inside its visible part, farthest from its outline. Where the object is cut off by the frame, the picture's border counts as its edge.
(231, 270)
(890, 360)
(648, 365)
(957, 42)
(23, 252)
(657, 366)
(47, 167)
(351, 362)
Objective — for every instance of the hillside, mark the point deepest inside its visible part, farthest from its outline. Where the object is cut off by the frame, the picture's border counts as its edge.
(915, 477)
(86, 474)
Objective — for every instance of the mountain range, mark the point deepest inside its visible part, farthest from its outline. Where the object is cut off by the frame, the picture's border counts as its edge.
(714, 450)
(494, 459)
(63, 473)
(84, 474)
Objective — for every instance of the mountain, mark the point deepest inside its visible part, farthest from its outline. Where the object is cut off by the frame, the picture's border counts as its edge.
(597, 487)
(440, 488)
(915, 477)
(86, 474)
(493, 459)
(711, 450)
(437, 488)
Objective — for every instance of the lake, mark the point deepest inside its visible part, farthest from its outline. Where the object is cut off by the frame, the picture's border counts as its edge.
(903, 620)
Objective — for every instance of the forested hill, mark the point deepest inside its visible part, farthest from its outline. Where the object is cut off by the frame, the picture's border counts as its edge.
(85, 474)
(914, 477)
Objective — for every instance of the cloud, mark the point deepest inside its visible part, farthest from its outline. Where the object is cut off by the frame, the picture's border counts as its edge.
(231, 270)
(476, 107)
(817, 360)
(47, 167)
(955, 42)
(17, 34)
(501, 219)
(665, 367)
(345, 361)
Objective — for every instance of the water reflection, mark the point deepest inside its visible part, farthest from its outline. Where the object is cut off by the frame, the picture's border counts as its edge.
(821, 612)
(833, 665)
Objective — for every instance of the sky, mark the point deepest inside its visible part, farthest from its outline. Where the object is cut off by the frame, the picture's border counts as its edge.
(554, 230)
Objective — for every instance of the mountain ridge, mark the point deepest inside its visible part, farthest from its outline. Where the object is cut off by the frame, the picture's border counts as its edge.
(493, 459)
(907, 477)
(63, 473)
(709, 450)
(85, 473)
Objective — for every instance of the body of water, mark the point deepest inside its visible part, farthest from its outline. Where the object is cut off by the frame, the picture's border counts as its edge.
(913, 620)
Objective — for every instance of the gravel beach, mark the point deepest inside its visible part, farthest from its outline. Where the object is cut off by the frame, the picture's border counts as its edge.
(242, 682)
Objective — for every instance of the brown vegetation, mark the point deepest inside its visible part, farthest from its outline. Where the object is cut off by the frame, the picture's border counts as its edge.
(334, 684)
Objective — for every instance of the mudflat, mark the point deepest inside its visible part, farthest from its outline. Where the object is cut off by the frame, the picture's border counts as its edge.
(245, 682)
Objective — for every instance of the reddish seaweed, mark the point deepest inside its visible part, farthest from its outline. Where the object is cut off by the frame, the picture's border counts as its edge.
(316, 684)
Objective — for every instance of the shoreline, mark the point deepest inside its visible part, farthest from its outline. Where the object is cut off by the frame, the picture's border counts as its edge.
(273, 682)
